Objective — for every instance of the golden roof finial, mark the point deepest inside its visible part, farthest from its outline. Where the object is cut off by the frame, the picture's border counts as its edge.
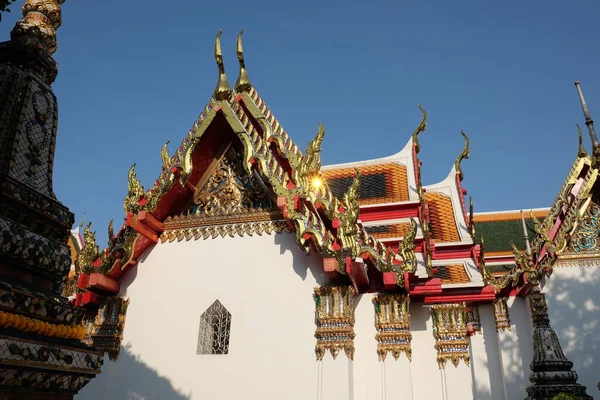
(222, 91)
(243, 82)
(464, 154)
(37, 28)
(582, 152)
(422, 126)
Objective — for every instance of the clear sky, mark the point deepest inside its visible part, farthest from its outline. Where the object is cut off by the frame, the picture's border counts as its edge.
(136, 73)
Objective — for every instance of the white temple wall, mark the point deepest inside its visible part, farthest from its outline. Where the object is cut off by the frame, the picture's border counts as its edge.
(426, 375)
(265, 282)
(486, 362)
(516, 348)
(573, 298)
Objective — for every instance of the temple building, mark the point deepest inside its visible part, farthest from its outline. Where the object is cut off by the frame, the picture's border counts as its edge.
(250, 270)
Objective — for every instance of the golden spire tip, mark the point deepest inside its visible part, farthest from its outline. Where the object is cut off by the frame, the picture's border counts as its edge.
(243, 82)
(222, 91)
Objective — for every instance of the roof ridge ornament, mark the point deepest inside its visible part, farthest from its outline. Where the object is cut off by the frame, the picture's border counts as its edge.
(590, 124)
(222, 91)
(464, 154)
(582, 152)
(421, 128)
(243, 83)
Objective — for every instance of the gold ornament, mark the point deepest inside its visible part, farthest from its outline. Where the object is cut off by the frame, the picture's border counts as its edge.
(38, 26)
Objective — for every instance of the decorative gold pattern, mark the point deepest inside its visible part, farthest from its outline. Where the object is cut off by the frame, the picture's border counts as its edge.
(214, 231)
(584, 239)
(501, 314)
(392, 321)
(406, 249)
(105, 332)
(450, 331)
(230, 190)
(334, 317)
(38, 26)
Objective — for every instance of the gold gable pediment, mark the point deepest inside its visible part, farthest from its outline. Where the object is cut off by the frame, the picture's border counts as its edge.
(228, 202)
(584, 241)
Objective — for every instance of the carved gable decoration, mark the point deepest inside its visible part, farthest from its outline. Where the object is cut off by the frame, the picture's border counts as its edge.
(229, 202)
(585, 239)
(230, 190)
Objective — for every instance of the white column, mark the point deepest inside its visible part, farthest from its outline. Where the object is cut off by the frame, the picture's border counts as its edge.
(397, 378)
(516, 348)
(367, 369)
(426, 375)
(336, 382)
(486, 361)
(458, 381)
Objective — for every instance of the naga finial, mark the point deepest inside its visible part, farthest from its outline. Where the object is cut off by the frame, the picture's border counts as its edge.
(243, 82)
(135, 191)
(421, 128)
(311, 161)
(37, 28)
(164, 154)
(582, 152)
(463, 155)
(406, 248)
(111, 232)
(471, 218)
(222, 91)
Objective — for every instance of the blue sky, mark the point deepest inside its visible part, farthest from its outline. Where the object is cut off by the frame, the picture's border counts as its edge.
(136, 73)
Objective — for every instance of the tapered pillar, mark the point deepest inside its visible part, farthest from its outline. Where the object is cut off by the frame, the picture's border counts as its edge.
(551, 372)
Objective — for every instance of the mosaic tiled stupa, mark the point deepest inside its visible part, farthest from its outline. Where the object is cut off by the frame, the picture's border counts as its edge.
(41, 352)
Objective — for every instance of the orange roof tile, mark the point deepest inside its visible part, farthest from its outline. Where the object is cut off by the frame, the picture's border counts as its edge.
(452, 274)
(388, 231)
(508, 216)
(381, 183)
(441, 213)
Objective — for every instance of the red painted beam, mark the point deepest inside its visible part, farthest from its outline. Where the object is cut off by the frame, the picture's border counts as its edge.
(484, 294)
(388, 212)
(149, 220)
(357, 271)
(103, 283)
(89, 298)
(389, 280)
(429, 287)
(83, 281)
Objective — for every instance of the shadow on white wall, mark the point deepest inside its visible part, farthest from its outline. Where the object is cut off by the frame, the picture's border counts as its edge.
(129, 378)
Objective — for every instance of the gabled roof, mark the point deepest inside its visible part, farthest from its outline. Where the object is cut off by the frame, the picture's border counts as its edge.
(321, 221)
(384, 180)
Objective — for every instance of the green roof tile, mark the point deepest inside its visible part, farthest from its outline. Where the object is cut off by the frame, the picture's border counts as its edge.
(498, 234)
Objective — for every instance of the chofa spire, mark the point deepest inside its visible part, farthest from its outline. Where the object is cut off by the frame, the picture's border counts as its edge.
(589, 123)
(222, 91)
(243, 82)
(37, 28)
(463, 155)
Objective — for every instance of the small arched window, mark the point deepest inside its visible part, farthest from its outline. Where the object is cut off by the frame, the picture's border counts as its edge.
(215, 324)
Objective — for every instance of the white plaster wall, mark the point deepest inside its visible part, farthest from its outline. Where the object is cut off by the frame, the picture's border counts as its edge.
(573, 297)
(266, 282)
(516, 348)
(486, 362)
(426, 375)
